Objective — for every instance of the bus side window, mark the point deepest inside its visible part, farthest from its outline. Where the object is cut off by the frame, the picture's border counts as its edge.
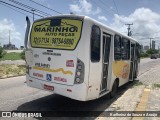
(125, 49)
(117, 47)
(95, 43)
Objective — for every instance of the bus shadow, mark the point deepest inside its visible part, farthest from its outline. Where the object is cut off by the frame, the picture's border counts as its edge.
(59, 103)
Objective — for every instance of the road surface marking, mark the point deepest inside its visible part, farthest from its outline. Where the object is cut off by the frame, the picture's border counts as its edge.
(143, 103)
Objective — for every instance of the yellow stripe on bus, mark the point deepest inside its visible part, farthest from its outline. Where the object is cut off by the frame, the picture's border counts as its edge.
(52, 70)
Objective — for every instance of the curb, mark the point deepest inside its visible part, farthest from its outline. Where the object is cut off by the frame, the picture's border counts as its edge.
(143, 103)
(11, 76)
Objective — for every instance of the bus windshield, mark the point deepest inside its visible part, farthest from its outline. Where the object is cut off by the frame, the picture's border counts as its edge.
(56, 33)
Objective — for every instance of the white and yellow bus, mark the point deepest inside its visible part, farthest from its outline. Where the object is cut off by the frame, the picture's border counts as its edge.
(78, 57)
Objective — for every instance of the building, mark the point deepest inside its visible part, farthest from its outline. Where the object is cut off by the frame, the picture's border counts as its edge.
(142, 48)
(145, 48)
(153, 44)
(9, 47)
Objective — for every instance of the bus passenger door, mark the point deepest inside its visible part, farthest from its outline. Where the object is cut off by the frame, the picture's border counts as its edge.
(105, 61)
(136, 60)
(132, 66)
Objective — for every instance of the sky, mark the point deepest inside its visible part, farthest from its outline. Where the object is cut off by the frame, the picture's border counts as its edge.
(144, 14)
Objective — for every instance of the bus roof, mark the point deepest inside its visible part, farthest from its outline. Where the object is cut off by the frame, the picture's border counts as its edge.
(111, 29)
(91, 19)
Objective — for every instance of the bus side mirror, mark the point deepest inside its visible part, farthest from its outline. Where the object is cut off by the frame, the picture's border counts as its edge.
(27, 32)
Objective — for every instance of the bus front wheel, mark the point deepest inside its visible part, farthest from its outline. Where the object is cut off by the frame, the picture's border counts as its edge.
(114, 89)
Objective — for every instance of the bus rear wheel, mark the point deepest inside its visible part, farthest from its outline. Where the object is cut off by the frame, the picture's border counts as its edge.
(114, 89)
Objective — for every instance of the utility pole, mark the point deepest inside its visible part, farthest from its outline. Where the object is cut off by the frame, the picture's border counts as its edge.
(33, 13)
(129, 31)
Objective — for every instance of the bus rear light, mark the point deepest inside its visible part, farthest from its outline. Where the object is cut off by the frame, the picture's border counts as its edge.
(77, 80)
(79, 76)
(78, 61)
(78, 73)
(79, 67)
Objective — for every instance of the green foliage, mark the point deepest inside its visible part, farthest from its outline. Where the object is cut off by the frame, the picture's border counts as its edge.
(152, 51)
(144, 55)
(11, 56)
(22, 55)
(156, 85)
(2, 52)
(138, 83)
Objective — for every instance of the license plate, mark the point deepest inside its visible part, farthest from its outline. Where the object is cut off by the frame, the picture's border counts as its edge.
(47, 87)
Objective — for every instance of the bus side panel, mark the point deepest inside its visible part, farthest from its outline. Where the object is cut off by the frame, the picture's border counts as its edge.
(95, 73)
(83, 49)
(120, 70)
(94, 80)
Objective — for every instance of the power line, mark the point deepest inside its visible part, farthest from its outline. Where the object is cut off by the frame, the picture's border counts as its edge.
(116, 7)
(106, 5)
(21, 8)
(45, 7)
(110, 14)
(147, 33)
(16, 10)
(26, 6)
(148, 38)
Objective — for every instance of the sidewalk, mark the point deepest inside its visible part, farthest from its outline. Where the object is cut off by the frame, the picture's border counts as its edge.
(151, 80)
(135, 96)
(17, 62)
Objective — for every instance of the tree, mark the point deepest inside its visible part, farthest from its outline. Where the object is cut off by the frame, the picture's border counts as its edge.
(23, 55)
(152, 51)
(2, 52)
(144, 54)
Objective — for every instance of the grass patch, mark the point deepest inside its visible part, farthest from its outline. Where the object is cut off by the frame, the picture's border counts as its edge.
(11, 56)
(156, 85)
(12, 70)
(144, 57)
(138, 83)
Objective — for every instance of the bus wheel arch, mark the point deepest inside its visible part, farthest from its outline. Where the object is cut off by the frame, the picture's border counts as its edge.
(114, 88)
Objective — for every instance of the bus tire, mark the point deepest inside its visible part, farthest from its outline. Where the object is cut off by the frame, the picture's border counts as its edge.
(114, 89)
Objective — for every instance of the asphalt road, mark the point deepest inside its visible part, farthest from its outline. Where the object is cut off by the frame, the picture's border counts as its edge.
(147, 63)
(16, 95)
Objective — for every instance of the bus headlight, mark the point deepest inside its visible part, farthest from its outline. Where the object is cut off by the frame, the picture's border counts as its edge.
(79, 76)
